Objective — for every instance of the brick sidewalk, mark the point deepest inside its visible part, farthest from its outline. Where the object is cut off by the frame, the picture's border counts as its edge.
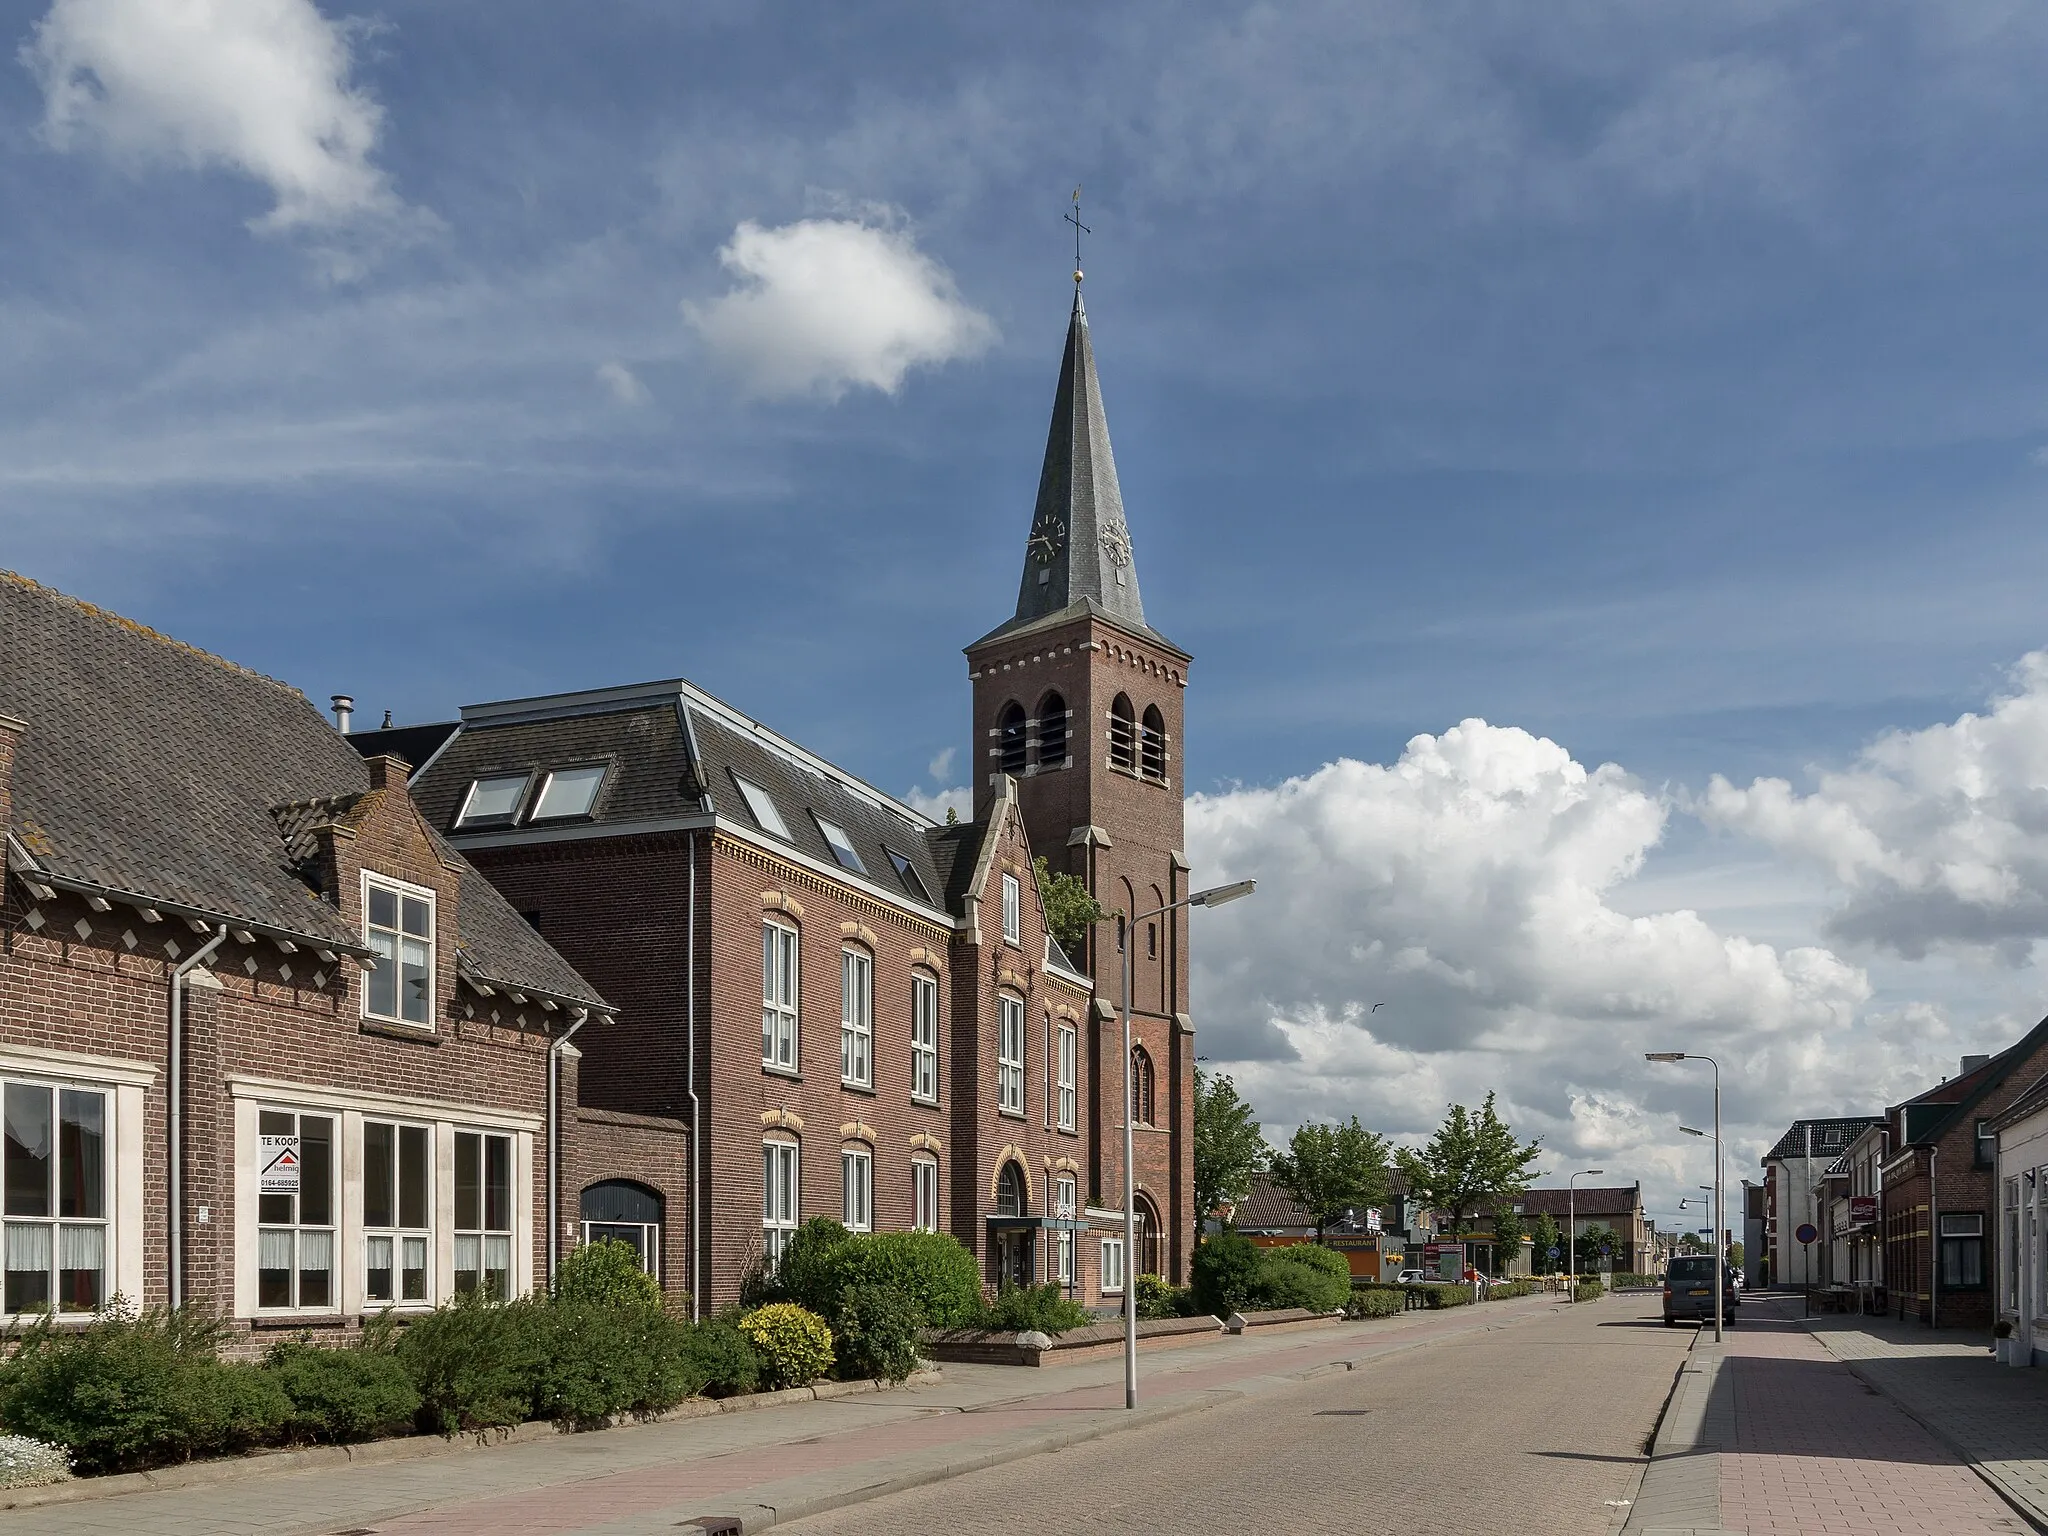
(1771, 1435)
(766, 1467)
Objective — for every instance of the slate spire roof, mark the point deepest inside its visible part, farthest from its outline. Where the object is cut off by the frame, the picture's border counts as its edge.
(1077, 555)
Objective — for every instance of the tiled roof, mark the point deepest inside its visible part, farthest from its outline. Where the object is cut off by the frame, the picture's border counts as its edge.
(1972, 1086)
(151, 768)
(1587, 1200)
(1830, 1137)
(1268, 1208)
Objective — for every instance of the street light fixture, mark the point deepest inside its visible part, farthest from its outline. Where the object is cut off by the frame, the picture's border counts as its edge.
(1571, 1223)
(1720, 1210)
(1215, 896)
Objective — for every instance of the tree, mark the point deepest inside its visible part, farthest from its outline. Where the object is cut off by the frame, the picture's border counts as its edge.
(1591, 1241)
(1329, 1169)
(1735, 1255)
(1229, 1146)
(1473, 1161)
(1508, 1232)
(1545, 1236)
(1069, 910)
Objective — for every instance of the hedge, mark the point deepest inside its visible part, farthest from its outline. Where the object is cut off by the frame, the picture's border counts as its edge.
(824, 1262)
(1375, 1301)
(1588, 1290)
(1508, 1290)
(1233, 1274)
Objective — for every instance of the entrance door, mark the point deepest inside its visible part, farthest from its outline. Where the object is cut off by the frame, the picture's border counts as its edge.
(1014, 1258)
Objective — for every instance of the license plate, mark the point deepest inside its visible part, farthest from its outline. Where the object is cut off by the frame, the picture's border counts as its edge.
(1700, 1292)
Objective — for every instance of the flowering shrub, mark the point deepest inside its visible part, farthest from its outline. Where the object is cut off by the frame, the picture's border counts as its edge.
(26, 1463)
(794, 1343)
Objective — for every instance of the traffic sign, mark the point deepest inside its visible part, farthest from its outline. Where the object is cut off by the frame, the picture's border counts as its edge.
(1807, 1232)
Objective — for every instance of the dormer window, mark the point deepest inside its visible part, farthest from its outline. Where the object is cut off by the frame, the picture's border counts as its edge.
(762, 808)
(840, 844)
(492, 802)
(907, 873)
(568, 792)
(398, 925)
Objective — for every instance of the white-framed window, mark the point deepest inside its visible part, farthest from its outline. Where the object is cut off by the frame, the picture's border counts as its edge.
(1063, 1209)
(840, 844)
(483, 1213)
(398, 1221)
(398, 925)
(762, 806)
(1067, 1051)
(567, 792)
(857, 1188)
(779, 1191)
(492, 802)
(924, 1194)
(295, 1212)
(779, 985)
(1962, 1250)
(1112, 1265)
(54, 1170)
(924, 1038)
(1013, 910)
(1010, 1055)
(857, 1018)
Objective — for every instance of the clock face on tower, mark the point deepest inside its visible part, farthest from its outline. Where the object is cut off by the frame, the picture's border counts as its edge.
(1048, 535)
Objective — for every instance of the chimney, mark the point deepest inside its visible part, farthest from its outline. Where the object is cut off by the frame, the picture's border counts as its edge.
(1972, 1063)
(11, 731)
(388, 771)
(344, 707)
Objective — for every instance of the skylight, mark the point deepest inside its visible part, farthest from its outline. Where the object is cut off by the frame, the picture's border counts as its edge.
(568, 792)
(907, 873)
(763, 808)
(840, 844)
(492, 802)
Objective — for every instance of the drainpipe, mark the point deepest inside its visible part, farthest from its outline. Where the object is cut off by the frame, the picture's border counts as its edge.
(555, 1048)
(1933, 1240)
(177, 1115)
(690, 1066)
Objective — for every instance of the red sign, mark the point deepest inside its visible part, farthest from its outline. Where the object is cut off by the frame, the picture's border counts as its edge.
(1862, 1210)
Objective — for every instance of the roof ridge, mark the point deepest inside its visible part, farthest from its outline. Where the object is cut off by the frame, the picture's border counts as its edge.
(135, 626)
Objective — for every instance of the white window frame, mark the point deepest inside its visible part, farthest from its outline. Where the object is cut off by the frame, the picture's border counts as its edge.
(401, 891)
(857, 1188)
(1065, 1196)
(839, 845)
(762, 807)
(395, 1234)
(1069, 1048)
(540, 800)
(1112, 1266)
(781, 996)
(1009, 1054)
(924, 1038)
(782, 1194)
(491, 1240)
(298, 1230)
(466, 822)
(924, 1194)
(856, 1018)
(1013, 909)
(18, 1235)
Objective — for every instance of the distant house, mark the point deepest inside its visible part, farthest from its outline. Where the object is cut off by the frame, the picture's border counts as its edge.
(2022, 1132)
(1794, 1173)
(1269, 1216)
(1617, 1207)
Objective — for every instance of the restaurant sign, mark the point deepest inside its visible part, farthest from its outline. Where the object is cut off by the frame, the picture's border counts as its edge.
(1862, 1210)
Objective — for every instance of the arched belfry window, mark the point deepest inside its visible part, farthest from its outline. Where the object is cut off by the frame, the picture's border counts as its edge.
(1123, 734)
(1141, 1086)
(1010, 1196)
(1010, 738)
(1052, 732)
(1152, 744)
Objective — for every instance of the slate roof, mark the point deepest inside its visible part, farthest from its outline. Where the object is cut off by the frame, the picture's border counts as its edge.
(1267, 1207)
(153, 769)
(1830, 1137)
(670, 748)
(1588, 1200)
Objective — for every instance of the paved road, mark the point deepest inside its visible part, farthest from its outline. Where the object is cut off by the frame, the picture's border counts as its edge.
(1539, 1428)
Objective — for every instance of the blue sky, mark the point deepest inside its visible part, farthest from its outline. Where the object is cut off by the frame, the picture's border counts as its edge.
(1662, 382)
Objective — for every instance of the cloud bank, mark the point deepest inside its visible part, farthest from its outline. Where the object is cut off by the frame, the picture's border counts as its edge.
(827, 305)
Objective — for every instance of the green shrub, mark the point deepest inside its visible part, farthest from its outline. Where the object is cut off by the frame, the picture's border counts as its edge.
(933, 1269)
(137, 1390)
(606, 1274)
(720, 1359)
(808, 1274)
(1508, 1290)
(593, 1361)
(1303, 1275)
(339, 1395)
(876, 1333)
(1375, 1302)
(1623, 1278)
(1588, 1290)
(1225, 1274)
(1034, 1309)
(794, 1343)
(1158, 1299)
(473, 1362)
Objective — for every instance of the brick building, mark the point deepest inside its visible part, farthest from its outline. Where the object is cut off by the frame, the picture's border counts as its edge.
(268, 1044)
(1617, 1207)
(1940, 1194)
(860, 1012)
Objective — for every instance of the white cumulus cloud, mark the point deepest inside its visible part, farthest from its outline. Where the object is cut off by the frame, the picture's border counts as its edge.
(825, 305)
(261, 87)
(1932, 837)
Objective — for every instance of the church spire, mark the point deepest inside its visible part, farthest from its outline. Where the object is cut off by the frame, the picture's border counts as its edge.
(1079, 550)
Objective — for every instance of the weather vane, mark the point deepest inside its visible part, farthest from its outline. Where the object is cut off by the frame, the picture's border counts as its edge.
(1080, 229)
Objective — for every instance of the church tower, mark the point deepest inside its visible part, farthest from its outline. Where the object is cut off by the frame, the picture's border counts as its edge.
(1079, 700)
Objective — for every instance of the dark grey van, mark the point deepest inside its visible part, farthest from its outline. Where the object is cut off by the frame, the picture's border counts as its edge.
(1689, 1290)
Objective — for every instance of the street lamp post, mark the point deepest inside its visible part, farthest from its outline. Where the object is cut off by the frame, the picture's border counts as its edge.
(1571, 1223)
(1720, 1212)
(1216, 896)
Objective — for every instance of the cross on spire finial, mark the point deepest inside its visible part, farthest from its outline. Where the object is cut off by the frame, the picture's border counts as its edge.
(1080, 229)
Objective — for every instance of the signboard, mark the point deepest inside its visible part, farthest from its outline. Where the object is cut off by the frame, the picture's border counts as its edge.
(1807, 1232)
(1862, 1210)
(278, 1158)
(1372, 1221)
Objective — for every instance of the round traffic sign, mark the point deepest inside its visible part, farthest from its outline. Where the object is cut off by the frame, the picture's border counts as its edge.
(1807, 1232)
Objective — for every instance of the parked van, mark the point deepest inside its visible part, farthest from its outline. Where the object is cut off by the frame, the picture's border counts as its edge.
(1689, 1290)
